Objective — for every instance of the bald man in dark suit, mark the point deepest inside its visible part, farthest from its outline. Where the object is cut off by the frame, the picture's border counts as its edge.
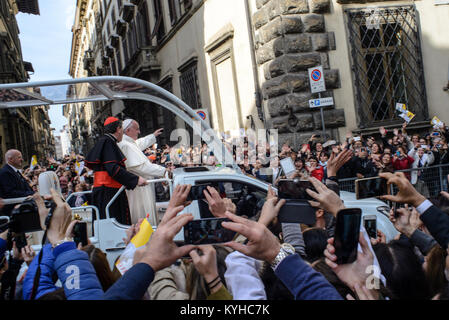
(12, 183)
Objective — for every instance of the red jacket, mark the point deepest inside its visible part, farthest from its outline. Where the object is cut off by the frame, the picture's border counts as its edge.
(402, 164)
(318, 173)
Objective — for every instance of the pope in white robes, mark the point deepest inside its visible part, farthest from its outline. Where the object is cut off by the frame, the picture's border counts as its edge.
(141, 200)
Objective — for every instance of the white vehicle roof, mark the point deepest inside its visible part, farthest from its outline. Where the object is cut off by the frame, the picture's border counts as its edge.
(370, 206)
(109, 88)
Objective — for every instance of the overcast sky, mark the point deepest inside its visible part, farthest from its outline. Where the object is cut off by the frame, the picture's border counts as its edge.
(46, 42)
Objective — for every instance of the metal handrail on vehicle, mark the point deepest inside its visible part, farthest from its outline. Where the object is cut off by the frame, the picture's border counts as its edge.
(15, 200)
(123, 187)
(77, 193)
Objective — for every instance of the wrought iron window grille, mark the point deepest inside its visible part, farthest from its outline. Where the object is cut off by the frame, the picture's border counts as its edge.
(386, 63)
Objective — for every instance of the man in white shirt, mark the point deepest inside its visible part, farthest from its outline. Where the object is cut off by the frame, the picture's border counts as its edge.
(142, 200)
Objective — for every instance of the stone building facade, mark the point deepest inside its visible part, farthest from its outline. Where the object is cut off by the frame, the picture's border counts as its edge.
(25, 129)
(80, 115)
(291, 37)
(247, 63)
(368, 69)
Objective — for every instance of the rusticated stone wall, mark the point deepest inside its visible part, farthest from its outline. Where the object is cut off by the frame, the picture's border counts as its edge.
(291, 37)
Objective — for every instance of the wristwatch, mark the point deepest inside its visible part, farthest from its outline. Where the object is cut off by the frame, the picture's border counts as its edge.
(286, 250)
(66, 239)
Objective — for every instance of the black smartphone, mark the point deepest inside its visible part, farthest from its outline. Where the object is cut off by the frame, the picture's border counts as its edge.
(25, 221)
(370, 224)
(297, 211)
(80, 233)
(370, 187)
(197, 191)
(294, 189)
(207, 231)
(396, 206)
(346, 238)
(21, 240)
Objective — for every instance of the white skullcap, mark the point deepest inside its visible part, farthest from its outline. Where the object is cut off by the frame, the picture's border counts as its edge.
(127, 123)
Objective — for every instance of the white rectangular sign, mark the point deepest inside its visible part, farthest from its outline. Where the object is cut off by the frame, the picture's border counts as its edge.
(316, 79)
(441, 1)
(322, 102)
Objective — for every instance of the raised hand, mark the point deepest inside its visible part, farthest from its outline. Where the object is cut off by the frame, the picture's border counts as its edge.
(28, 254)
(216, 204)
(407, 193)
(262, 244)
(355, 273)
(381, 238)
(395, 131)
(336, 162)
(179, 196)
(326, 199)
(271, 208)
(161, 251)
(206, 264)
(158, 132)
(62, 216)
(402, 221)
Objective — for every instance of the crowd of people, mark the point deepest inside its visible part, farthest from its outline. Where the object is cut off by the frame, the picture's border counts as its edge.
(267, 259)
(391, 151)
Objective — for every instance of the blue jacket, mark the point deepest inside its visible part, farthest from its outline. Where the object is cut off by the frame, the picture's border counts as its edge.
(132, 285)
(2, 247)
(76, 273)
(81, 283)
(46, 284)
(303, 281)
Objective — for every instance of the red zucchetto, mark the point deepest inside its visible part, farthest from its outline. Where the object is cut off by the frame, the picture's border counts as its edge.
(110, 120)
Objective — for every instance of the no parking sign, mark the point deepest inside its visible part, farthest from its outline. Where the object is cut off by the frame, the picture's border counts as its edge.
(316, 79)
(203, 114)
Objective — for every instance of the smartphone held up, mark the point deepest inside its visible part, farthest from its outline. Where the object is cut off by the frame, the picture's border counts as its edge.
(297, 208)
(207, 231)
(371, 187)
(346, 239)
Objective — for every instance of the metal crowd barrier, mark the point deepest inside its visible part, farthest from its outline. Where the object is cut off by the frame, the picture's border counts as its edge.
(430, 180)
